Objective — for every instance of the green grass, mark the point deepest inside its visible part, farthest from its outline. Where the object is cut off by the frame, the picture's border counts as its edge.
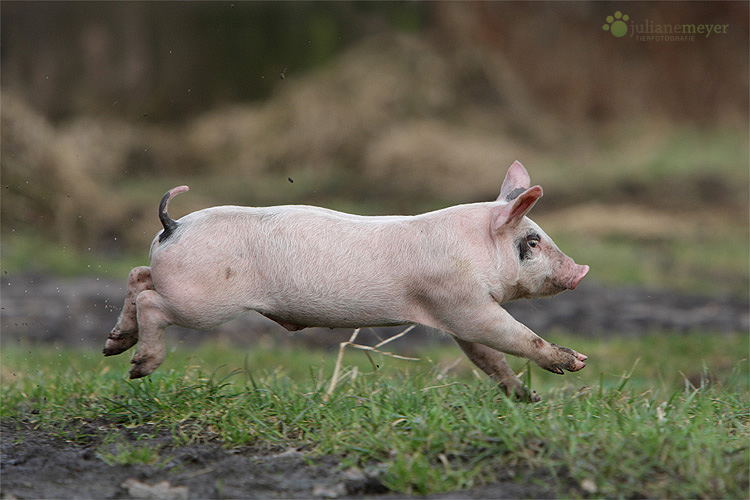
(123, 453)
(661, 416)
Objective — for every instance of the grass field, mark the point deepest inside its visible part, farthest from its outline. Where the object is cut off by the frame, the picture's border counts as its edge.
(660, 416)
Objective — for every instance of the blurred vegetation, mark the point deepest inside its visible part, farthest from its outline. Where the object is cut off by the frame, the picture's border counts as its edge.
(172, 60)
(385, 107)
(164, 61)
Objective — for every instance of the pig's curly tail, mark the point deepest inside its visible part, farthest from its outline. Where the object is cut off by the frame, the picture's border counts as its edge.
(166, 221)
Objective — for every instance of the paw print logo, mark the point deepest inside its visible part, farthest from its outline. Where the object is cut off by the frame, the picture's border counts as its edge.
(616, 24)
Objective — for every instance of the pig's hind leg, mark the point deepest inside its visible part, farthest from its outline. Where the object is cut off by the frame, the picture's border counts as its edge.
(125, 333)
(153, 318)
(493, 363)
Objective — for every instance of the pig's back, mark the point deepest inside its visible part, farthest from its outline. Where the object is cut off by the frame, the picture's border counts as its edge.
(328, 264)
(311, 266)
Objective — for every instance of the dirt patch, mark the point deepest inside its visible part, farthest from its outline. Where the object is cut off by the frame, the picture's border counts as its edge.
(36, 464)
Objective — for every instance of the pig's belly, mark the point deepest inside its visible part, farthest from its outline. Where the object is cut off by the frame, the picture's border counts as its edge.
(198, 318)
(292, 314)
(298, 322)
(362, 302)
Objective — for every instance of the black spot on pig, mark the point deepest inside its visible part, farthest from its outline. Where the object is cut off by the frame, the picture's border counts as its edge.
(525, 244)
(515, 193)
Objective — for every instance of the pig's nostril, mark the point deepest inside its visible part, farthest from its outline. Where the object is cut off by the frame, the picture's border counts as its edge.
(582, 271)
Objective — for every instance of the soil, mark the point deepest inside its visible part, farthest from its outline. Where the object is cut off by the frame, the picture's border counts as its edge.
(80, 312)
(39, 465)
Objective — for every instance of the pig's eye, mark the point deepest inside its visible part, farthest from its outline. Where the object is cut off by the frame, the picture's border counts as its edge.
(526, 244)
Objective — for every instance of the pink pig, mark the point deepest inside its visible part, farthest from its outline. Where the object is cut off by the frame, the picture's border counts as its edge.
(303, 266)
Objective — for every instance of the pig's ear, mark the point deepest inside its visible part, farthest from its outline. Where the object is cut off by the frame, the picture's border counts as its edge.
(510, 214)
(516, 181)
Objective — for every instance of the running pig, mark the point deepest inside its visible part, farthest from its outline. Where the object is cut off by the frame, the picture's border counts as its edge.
(304, 266)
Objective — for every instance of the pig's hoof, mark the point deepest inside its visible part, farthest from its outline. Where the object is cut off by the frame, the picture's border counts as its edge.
(515, 389)
(555, 369)
(525, 395)
(135, 373)
(578, 362)
(119, 341)
(566, 359)
(140, 367)
(138, 371)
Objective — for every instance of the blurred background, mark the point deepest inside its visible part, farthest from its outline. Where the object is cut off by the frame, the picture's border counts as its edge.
(375, 108)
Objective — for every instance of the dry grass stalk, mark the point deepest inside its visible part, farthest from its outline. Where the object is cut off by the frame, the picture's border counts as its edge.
(350, 343)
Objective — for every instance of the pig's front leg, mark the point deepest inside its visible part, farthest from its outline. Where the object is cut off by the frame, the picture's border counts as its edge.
(493, 363)
(494, 327)
(125, 333)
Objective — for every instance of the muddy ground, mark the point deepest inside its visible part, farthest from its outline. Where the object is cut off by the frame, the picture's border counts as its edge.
(38, 465)
(79, 313)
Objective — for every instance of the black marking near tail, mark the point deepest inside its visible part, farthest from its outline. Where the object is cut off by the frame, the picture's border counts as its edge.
(166, 221)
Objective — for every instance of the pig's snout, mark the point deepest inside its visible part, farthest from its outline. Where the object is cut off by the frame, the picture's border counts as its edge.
(578, 274)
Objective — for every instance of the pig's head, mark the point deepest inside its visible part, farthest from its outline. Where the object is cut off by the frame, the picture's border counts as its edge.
(531, 263)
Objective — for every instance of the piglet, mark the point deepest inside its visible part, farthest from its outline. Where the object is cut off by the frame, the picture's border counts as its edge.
(304, 266)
